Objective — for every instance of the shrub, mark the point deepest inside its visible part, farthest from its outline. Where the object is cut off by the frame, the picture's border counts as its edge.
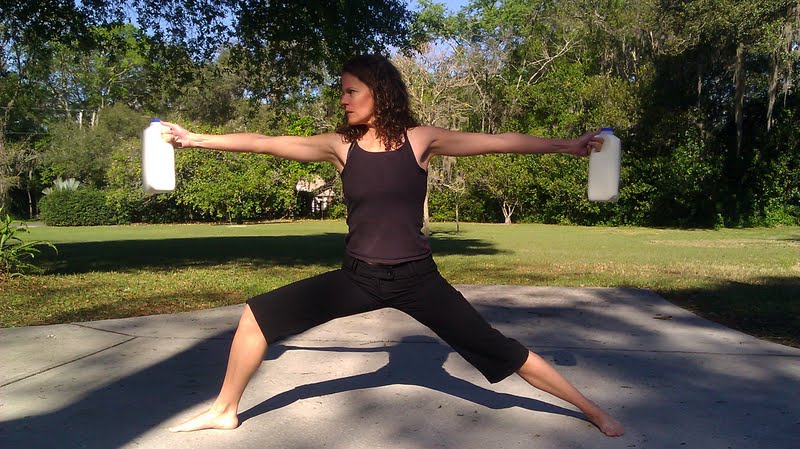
(81, 207)
(337, 210)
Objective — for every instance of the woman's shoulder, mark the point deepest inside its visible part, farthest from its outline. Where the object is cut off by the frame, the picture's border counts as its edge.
(424, 133)
(334, 140)
(421, 129)
(422, 136)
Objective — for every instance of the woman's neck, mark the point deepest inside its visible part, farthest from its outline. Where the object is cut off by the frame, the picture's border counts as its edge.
(370, 142)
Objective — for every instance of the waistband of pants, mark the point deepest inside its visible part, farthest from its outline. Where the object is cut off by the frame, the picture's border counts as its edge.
(388, 272)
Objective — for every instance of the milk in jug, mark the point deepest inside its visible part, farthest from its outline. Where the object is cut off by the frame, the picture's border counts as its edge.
(604, 169)
(158, 160)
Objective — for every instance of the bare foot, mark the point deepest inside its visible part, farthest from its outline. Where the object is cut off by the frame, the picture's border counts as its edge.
(608, 425)
(209, 420)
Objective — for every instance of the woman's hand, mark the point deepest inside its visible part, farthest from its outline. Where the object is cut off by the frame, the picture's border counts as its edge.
(585, 144)
(176, 135)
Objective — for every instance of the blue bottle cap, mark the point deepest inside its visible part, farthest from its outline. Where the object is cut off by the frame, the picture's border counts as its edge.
(155, 120)
(607, 129)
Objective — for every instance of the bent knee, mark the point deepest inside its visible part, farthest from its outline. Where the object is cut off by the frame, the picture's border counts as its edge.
(248, 322)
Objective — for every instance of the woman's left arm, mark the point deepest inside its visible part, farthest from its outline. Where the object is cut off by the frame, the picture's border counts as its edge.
(455, 143)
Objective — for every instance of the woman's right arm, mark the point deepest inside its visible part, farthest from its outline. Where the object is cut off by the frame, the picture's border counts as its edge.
(319, 148)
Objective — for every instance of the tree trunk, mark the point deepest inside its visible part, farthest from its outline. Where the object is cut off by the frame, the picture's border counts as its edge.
(739, 80)
(30, 203)
(458, 229)
(791, 33)
(773, 86)
(508, 211)
(702, 123)
(28, 189)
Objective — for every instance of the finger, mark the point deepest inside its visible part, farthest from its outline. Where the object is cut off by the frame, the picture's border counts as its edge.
(167, 136)
(593, 133)
(173, 128)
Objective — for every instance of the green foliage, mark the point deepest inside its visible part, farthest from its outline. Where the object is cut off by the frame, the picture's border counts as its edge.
(81, 207)
(84, 152)
(17, 161)
(231, 186)
(701, 148)
(555, 104)
(558, 192)
(777, 174)
(504, 177)
(337, 210)
(276, 42)
(776, 213)
(214, 94)
(107, 72)
(300, 125)
(16, 255)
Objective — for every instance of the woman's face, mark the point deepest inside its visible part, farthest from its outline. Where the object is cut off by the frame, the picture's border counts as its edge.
(357, 100)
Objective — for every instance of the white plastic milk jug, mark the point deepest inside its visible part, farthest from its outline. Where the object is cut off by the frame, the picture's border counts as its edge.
(604, 167)
(158, 160)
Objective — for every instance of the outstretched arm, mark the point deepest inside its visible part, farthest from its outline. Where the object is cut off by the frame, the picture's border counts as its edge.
(455, 143)
(319, 148)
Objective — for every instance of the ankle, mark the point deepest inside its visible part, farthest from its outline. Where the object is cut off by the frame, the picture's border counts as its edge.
(224, 408)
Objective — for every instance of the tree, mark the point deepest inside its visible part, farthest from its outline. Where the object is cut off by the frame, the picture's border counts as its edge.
(18, 162)
(435, 86)
(731, 29)
(28, 32)
(8, 175)
(721, 64)
(504, 177)
(215, 96)
(81, 57)
(785, 56)
(85, 82)
(444, 174)
(85, 153)
(703, 94)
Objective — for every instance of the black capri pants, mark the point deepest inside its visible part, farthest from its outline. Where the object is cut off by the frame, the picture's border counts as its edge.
(415, 288)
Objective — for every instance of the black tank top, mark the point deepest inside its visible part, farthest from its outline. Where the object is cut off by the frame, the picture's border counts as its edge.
(384, 193)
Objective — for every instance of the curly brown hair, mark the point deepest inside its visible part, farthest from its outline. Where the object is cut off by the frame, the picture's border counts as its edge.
(393, 114)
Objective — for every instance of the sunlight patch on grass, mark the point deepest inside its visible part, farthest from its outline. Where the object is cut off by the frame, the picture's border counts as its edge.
(747, 278)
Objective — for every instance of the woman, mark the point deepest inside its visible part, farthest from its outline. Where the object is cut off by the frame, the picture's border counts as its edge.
(382, 155)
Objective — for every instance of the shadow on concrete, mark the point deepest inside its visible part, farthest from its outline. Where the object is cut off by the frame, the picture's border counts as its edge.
(715, 399)
(408, 365)
(766, 306)
(117, 413)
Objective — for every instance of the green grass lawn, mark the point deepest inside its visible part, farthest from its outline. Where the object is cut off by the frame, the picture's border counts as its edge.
(746, 278)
